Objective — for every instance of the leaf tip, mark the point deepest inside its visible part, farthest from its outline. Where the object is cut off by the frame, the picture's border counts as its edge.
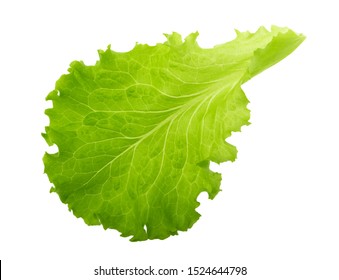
(192, 38)
(173, 39)
(52, 95)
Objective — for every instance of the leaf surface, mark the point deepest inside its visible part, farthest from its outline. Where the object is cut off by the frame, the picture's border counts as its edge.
(136, 132)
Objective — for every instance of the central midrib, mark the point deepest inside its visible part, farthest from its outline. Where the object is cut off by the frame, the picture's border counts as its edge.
(170, 118)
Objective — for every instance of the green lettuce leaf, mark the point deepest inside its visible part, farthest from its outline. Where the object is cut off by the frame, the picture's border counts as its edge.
(136, 132)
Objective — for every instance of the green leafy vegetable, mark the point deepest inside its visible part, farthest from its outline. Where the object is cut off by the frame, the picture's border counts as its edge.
(136, 132)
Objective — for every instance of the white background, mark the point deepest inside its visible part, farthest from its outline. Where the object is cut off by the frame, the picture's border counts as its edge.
(278, 211)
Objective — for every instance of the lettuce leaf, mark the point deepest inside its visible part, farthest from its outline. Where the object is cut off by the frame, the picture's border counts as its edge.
(136, 131)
